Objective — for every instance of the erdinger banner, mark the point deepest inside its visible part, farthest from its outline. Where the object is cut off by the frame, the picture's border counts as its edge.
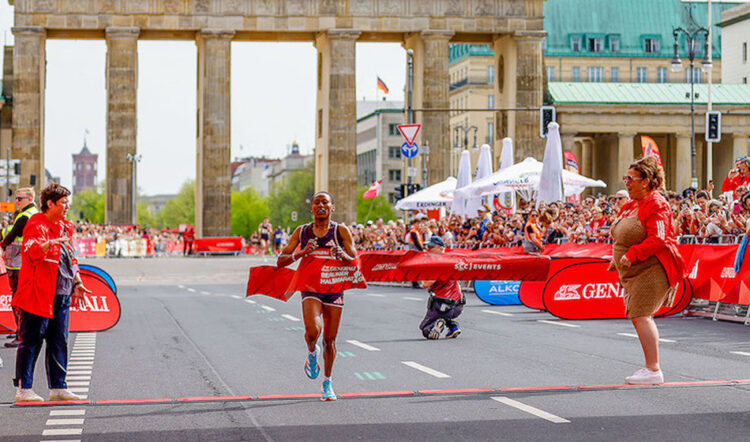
(456, 265)
(589, 291)
(318, 272)
(100, 309)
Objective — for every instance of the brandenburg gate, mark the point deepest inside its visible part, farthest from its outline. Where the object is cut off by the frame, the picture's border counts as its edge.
(514, 28)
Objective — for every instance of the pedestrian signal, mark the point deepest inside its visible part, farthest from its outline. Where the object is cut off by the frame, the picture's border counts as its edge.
(713, 126)
(547, 114)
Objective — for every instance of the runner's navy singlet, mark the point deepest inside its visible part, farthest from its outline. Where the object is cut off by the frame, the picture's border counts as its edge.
(331, 239)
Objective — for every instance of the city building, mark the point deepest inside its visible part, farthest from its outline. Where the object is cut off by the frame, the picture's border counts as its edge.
(84, 170)
(735, 27)
(293, 162)
(379, 145)
(155, 203)
(588, 41)
(253, 172)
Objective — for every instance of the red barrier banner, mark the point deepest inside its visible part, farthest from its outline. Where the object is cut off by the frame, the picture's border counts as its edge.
(231, 244)
(456, 265)
(589, 291)
(100, 310)
(530, 293)
(322, 274)
(86, 246)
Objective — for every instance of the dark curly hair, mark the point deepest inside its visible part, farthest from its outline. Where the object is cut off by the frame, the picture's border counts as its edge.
(650, 169)
(53, 192)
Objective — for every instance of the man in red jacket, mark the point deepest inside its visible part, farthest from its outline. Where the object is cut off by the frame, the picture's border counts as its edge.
(48, 281)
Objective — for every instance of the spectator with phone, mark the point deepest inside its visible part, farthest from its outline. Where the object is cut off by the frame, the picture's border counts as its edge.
(739, 176)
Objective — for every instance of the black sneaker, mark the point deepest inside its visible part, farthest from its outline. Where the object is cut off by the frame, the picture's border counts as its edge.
(437, 329)
(12, 344)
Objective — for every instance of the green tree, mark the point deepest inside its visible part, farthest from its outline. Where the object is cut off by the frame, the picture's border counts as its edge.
(88, 205)
(147, 218)
(180, 209)
(293, 195)
(248, 211)
(376, 207)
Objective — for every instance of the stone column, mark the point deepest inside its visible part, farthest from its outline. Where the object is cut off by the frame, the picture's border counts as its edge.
(739, 146)
(683, 166)
(435, 85)
(29, 67)
(586, 157)
(625, 156)
(122, 121)
(213, 183)
(529, 78)
(336, 118)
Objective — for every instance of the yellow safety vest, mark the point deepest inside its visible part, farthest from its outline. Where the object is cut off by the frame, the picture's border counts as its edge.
(13, 257)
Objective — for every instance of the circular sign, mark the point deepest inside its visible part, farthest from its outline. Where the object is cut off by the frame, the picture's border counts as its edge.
(409, 150)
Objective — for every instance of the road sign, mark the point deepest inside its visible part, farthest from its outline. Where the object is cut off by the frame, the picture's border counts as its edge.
(13, 179)
(411, 171)
(8, 207)
(409, 132)
(13, 165)
(294, 216)
(409, 150)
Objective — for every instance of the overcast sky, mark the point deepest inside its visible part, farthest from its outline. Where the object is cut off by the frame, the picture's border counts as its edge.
(273, 101)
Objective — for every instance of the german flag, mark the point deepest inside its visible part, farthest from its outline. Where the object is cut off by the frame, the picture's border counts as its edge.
(382, 86)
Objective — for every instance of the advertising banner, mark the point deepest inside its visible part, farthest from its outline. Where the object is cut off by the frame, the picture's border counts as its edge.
(589, 291)
(530, 292)
(100, 309)
(231, 244)
(498, 292)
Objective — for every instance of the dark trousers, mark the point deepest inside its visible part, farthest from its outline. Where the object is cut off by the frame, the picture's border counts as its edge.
(434, 313)
(33, 330)
(187, 248)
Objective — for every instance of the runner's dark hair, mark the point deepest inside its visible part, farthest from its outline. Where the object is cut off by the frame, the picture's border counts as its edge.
(323, 192)
(53, 192)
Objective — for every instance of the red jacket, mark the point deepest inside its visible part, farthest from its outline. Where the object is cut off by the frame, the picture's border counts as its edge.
(656, 217)
(731, 184)
(37, 278)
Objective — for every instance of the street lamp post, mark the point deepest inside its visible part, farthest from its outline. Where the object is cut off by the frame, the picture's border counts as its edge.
(706, 66)
(134, 159)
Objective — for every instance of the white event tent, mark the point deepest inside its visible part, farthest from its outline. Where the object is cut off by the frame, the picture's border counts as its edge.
(437, 196)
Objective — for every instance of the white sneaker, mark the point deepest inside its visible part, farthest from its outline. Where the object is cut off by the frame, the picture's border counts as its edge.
(27, 395)
(62, 394)
(644, 376)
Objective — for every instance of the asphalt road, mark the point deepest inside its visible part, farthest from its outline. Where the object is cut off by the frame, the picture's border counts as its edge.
(187, 331)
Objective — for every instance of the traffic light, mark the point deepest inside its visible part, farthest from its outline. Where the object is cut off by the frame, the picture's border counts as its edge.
(399, 192)
(547, 115)
(413, 188)
(713, 126)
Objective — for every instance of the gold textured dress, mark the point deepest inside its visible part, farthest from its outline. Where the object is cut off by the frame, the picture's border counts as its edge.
(645, 282)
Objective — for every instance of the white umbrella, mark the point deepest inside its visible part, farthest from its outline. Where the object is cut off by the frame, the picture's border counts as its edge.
(462, 180)
(433, 197)
(484, 169)
(524, 177)
(551, 180)
(507, 200)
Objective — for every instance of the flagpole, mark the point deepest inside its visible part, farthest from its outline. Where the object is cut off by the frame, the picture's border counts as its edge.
(367, 218)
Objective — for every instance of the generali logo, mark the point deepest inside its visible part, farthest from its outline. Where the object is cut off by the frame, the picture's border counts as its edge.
(5, 303)
(384, 266)
(92, 303)
(728, 273)
(602, 290)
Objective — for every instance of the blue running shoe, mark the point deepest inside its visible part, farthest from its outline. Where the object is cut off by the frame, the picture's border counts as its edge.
(328, 394)
(453, 332)
(312, 368)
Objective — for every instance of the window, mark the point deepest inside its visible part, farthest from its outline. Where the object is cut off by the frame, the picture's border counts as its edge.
(575, 44)
(490, 74)
(595, 74)
(550, 73)
(596, 44)
(394, 175)
(697, 75)
(490, 132)
(614, 74)
(490, 101)
(576, 73)
(394, 152)
(651, 45)
(393, 129)
(641, 75)
(614, 44)
(661, 75)
(744, 52)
